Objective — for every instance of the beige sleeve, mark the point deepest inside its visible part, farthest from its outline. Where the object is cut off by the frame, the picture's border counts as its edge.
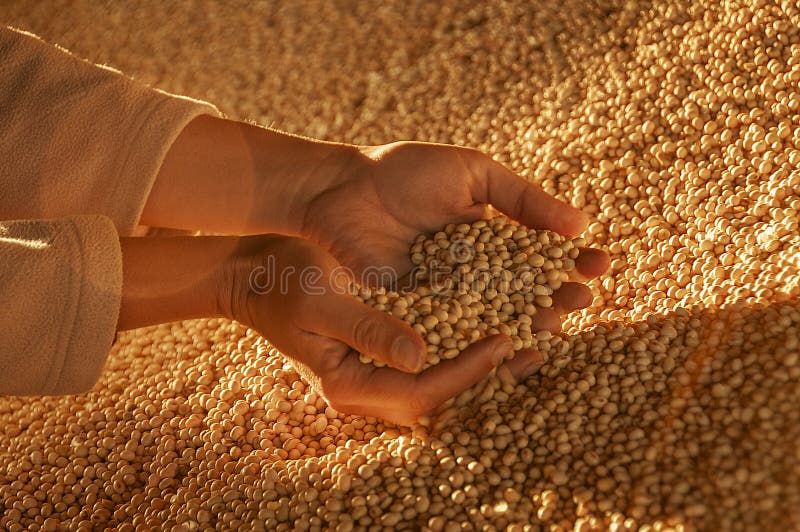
(78, 138)
(60, 285)
(80, 146)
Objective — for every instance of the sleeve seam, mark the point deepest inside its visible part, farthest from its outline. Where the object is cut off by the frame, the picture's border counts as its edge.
(67, 328)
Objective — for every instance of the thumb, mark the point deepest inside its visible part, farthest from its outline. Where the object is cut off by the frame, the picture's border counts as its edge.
(367, 330)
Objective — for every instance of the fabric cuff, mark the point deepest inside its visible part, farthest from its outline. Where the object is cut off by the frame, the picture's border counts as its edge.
(97, 291)
(152, 131)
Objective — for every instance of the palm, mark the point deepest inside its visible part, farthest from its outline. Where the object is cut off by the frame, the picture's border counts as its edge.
(370, 218)
(324, 329)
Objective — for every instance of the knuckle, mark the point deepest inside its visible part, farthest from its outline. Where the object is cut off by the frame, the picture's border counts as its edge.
(336, 396)
(519, 205)
(420, 405)
(365, 332)
(327, 365)
(335, 401)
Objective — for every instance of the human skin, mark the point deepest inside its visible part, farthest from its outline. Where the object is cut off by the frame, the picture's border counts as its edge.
(364, 204)
(312, 320)
(356, 206)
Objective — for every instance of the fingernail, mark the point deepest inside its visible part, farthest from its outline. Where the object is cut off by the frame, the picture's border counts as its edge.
(500, 352)
(531, 368)
(405, 354)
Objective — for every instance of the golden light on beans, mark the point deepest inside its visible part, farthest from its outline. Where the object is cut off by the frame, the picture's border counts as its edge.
(477, 280)
(671, 402)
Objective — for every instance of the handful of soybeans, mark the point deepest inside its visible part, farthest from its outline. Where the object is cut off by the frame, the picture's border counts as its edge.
(475, 280)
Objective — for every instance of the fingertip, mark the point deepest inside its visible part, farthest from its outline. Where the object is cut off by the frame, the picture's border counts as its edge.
(576, 222)
(572, 296)
(407, 353)
(494, 349)
(451, 377)
(526, 202)
(367, 330)
(592, 262)
(532, 369)
(546, 319)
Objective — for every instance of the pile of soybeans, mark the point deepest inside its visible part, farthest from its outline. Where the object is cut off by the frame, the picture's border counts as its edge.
(674, 124)
(475, 280)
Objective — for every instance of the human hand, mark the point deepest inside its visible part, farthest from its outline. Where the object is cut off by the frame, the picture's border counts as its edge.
(383, 197)
(293, 293)
(368, 214)
(362, 204)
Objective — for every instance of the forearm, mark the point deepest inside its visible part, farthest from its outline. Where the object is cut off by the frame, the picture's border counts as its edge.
(171, 279)
(78, 138)
(231, 177)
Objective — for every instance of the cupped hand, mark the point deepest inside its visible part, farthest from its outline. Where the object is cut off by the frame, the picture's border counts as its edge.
(384, 196)
(293, 293)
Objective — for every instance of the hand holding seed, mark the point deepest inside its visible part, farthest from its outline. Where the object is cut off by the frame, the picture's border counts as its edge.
(486, 278)
(318, 323)
(363, 204)
(384, 196)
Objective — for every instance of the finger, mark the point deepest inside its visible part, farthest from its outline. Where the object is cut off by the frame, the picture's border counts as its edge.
(546, 319)
(525, 363)
(526, 202)
(449, 378)
(570, 297)
(369, 331)
(591, 263)
(402, 398)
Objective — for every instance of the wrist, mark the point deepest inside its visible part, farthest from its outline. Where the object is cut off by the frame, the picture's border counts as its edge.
(293, 171)
(239, 276)
(232, 177)
(171, 278)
